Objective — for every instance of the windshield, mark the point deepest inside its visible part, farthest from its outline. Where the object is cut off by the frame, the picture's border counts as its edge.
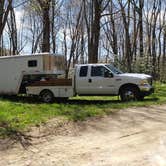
(114, 70)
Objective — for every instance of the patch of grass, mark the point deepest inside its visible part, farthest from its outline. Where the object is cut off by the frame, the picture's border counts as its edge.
(18, 113)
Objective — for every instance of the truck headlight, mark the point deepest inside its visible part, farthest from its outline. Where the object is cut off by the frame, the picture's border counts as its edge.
(144, 82)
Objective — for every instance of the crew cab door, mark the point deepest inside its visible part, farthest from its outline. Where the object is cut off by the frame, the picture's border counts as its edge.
(94, 80)
(81, 79)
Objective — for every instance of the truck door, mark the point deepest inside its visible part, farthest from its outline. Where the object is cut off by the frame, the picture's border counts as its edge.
(81, 79)
(101, 81)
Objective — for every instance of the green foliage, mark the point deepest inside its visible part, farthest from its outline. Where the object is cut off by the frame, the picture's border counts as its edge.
(19, 115)
(163, 73)
(142, 65)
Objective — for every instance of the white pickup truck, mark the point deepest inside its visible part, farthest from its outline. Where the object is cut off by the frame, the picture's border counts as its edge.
(92, 79)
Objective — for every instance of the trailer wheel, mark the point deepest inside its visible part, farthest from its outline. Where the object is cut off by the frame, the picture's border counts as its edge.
(47, 96)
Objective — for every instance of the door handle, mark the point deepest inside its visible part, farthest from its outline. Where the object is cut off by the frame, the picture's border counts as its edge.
(90, 80)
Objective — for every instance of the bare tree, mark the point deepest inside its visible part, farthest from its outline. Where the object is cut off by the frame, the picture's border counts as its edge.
(13, 32)
(4, 12)
(45, 9)
(155, 14)
(126, 23)
(73, 30)
(92, 13)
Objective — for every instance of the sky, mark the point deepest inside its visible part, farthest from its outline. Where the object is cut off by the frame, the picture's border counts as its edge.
(19, 14)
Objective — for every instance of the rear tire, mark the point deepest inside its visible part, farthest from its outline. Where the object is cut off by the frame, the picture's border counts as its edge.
(47, 96)
(129, 94)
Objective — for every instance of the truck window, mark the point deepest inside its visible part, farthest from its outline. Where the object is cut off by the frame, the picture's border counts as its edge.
(97, 71)
(83, 71)
(32, 63)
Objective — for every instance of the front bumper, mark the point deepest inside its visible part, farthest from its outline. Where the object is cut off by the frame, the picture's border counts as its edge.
(146, 90)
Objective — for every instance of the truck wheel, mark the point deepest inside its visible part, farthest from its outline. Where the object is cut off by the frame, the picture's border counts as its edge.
(46, 96)
(129, 94)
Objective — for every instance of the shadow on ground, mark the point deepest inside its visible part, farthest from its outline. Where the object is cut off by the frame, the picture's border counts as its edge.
(36, 100)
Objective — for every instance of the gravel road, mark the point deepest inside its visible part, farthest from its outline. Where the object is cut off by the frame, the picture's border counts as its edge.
(129, 137)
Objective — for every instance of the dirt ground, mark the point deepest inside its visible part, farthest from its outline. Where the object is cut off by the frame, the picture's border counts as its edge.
(130, 137)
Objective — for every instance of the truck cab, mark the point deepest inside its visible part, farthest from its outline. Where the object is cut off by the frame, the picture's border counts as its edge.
(105, 79)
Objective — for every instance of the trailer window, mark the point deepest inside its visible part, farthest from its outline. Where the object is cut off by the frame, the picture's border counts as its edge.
(32, 63)
(83, 71)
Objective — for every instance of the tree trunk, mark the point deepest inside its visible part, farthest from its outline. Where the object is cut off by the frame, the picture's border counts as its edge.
(46, 30)
(45, 7)
(95, 33)
(53, 27)
(126, 22)
(141, 4)
(4, 15)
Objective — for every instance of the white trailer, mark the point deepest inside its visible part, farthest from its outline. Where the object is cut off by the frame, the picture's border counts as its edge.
(13, 69)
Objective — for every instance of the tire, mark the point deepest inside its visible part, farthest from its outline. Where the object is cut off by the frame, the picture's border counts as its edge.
(47, 96)
(129, 94)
